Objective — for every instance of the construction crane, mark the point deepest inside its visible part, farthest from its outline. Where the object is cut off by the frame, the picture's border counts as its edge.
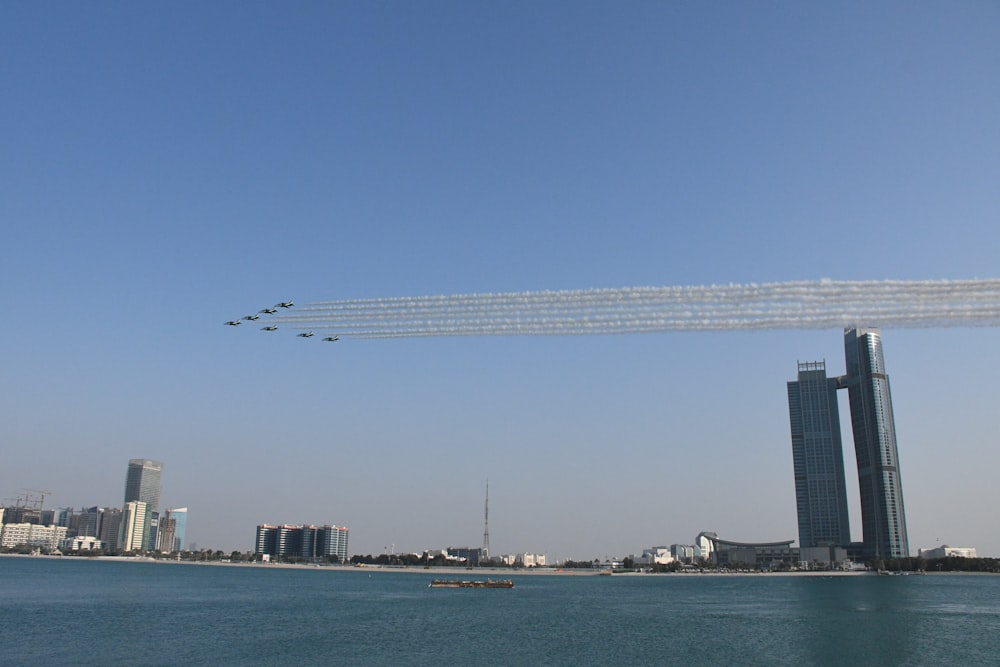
(35, 503)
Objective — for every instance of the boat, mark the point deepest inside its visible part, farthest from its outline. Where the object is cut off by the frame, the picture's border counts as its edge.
(483, 583)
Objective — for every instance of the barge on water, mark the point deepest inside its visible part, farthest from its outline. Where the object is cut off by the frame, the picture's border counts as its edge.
(487, 583)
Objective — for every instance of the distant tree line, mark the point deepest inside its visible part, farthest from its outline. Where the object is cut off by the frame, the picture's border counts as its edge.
(948, 564)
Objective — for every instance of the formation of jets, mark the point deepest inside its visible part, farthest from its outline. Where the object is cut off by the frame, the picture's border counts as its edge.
(273, 327)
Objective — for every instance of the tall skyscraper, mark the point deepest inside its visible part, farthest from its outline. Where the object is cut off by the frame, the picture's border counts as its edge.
(142, 483)
(883, 518)
(817, 452)
(818, 458)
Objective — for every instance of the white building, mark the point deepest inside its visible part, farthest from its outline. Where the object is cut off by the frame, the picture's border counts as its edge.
(81, 543)
(530, 560)
(133, 527)
(686, 553)
(46, 537)
(655, 556)
(944, 551)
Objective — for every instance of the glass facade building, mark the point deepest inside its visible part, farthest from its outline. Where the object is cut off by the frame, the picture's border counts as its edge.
(818, 458)
(817, 454)
(307, 542)
(883, 518)
(142, 484)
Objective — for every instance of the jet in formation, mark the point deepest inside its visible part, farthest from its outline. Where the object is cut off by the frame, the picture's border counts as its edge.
(251, 318)
(307, 334)
(233, 323)
(268, 311)
(285, 304)
(269, 328)
(332, 339)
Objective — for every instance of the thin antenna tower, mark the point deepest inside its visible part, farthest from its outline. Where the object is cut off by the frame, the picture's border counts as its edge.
(486, 524)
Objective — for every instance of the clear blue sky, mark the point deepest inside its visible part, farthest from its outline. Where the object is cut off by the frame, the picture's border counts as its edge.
(167, 167)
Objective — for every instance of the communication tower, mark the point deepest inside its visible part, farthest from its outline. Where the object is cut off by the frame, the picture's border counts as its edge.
(486, 524)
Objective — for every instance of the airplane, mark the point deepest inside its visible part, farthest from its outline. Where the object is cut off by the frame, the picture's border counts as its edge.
(268, 311)
(332, 338)
(233, 323)
(252, 317)
(284, 304)
(307, 334)
(270, 328)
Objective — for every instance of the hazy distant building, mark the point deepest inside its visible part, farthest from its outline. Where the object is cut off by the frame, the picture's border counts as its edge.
(80, 543)
(173, 525)
(89, 522)
(31, 534)
(818, 458)
(747, 554)
(471, 555)
(290, 541)
(306, 542)
(22, 514)
(683, 552)
(333, 541)
(655, 556)
(528, 560)
(823, 557)
(64, 516)
(132, 529)
(142, 483)
(944, 551)
(266, 542)
(883, 519)
(110, 524)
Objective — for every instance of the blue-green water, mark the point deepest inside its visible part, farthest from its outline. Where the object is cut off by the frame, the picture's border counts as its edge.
(88, 612)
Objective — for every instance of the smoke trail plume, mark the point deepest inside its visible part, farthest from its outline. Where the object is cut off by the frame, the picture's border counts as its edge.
(824, 304)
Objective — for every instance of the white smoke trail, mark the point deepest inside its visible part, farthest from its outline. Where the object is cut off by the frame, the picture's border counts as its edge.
(824, 304)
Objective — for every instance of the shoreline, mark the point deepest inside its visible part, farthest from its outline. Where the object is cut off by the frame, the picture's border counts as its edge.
(482, 572)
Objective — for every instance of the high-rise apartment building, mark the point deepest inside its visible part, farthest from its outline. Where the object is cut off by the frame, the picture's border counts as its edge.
(818, 458)
(883, 518)
(308, 542)
(132, 529)
(110, 526)
(142, 483)
(817, 453)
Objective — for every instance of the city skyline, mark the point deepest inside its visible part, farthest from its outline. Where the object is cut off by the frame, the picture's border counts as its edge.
(170, 168)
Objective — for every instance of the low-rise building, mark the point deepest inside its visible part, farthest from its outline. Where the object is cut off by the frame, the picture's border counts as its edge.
(685, 553)
(31, 534)
(823, 557)
(80, 543)
(747, 554)
(655, 556)
(944, 551)
(529, 560)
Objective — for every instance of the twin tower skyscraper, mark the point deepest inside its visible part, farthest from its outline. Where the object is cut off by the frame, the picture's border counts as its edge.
(818, 458)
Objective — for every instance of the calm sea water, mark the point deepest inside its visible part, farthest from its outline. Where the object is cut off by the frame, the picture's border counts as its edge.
(101, 613)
